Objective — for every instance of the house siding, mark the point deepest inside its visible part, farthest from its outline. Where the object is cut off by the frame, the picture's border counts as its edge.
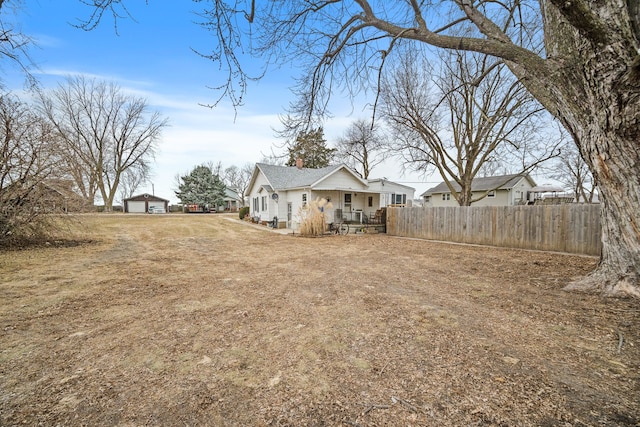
(295, 198)
(504, 197)
(279, 208)
(255, 209)
(341, 180)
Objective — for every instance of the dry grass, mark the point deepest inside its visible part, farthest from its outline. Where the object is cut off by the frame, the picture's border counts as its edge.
(206, 320)
(312, 218)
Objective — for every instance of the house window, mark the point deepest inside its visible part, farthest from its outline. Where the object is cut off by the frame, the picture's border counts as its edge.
(427, 199)
(491, 193)
(304, 199)
(256, 204)
(264, 203)
(370, 201)
(446, 196)
(398, 199)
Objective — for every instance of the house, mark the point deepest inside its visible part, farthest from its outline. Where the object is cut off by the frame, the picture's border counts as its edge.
(58, 195)
(144, 203)
(47, 196)
(502, 190)
(281, 191)
(232, 201)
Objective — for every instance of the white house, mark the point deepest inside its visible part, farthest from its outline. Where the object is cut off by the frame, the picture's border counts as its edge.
(502, 190)
(281, 191)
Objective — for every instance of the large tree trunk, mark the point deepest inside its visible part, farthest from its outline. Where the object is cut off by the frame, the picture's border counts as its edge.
(616, 163)
(597, 98)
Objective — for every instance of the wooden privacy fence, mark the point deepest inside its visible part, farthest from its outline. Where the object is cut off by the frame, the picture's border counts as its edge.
(573, 228)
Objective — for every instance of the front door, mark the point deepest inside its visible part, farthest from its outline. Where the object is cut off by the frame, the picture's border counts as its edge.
(347, 203)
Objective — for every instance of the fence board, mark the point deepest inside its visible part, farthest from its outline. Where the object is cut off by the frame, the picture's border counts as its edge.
(573, 228)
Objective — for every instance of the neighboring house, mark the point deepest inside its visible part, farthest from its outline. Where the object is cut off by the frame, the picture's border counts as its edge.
(231, 201)
(144, 203)
(503, 190)
(281, 191)
(48, 196)
(58, 195)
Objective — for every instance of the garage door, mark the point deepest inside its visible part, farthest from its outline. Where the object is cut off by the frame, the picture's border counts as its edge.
(157, 206)
(136, 207)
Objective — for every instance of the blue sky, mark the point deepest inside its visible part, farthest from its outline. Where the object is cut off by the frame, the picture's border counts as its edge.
(152, 57)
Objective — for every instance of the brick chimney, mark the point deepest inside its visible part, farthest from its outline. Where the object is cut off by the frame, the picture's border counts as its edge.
(299, 163)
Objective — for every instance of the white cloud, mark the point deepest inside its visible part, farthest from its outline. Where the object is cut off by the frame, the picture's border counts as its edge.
(122, 82)
(45, 41)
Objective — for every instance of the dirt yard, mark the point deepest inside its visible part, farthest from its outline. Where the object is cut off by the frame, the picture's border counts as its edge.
(202, 320)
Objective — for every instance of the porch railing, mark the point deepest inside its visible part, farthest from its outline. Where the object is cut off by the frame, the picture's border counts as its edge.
(359, 217)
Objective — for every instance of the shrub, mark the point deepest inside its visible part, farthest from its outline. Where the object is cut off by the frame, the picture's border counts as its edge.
(244, 211)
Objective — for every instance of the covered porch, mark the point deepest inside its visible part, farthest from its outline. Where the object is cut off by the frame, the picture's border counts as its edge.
(349, 205)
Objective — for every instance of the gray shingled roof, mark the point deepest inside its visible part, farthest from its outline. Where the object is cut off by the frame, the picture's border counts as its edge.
(284, 177)
(502, 182)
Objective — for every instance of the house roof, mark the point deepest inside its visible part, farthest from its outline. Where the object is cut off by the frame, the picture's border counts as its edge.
(231, 194)
(382, 181)
(286, 177)
(500, 182)
(146, 196)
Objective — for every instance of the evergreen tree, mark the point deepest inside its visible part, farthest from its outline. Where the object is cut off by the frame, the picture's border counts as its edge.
(312, 148)
(201, 187)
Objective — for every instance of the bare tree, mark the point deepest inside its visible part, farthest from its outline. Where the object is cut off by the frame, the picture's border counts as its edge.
(494, 166)
(238, 179)
(587, 76)
(106, 133)
(85, 179)
(14, 44)
(274, 159)
(363, 146)
(29, 160)
(572, 171)
(132, 179)
(216, 168)
(455, 120)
